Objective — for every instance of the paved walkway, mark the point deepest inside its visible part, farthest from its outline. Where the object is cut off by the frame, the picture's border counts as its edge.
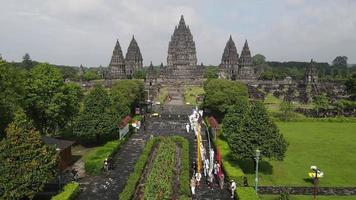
(172, 122)
(109, 184)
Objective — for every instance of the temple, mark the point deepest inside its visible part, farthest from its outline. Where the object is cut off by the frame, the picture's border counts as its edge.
(181, 59)
(230, 61)
(120, 68)
(133, 59)
(232, 67)
(311, 74)
(246, 70)
(117, 64)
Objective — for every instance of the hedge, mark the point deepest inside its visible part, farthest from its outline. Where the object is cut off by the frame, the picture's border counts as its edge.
(184, 185)
(246, 193)
(135, 176)
(70, 192)
(159, 182)
(94, 160)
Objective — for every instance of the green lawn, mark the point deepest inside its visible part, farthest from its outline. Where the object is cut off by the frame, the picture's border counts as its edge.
(330, 146)
(162, 95)
(191, 93)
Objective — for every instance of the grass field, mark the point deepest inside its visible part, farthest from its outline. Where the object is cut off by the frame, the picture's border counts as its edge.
(163, 93)
(330, 146)
(191, 93)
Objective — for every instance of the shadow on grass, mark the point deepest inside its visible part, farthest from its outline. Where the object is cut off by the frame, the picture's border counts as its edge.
(248, 166)
(308, 180)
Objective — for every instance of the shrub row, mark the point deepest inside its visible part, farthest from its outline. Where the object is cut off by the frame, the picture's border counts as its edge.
(184, 189)
(70, 192)
(134, 177)
(94, 160)
(159, 182)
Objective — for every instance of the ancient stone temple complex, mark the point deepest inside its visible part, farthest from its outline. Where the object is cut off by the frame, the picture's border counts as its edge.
(232, 67)
(120, 68)
(181, 58)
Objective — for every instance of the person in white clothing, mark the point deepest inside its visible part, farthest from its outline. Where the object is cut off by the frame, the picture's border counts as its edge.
(198, 178)
(232, 188)
(206, 166)
(187, 127)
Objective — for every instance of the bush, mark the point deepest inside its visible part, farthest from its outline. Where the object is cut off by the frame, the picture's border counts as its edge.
(184, 189)
(246, 193)
(94, 160)
(70, 192)
(134, 177)
(159, 182)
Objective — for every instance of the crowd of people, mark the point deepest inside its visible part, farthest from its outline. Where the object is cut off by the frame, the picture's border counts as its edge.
(210, 164)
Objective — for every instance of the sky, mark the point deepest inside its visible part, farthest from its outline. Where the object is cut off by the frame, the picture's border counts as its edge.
(74, 32)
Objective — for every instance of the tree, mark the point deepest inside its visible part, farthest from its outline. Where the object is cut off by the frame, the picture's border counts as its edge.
(351, 86)
(139, 74)
(220, 94)
(286, 108)
(11, 93)
(320, 102)
(258, 59)
(248, 127)
(90, 75)
(0, 57)
(27, 62)
(211, 72)
(127, 93)
(340, 61)
(97, 120)
(26, 163)
(49, 102)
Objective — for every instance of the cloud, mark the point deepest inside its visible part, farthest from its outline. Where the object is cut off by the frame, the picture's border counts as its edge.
(78, 32)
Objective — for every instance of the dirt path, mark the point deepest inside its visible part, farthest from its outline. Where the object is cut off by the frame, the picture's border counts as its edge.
(175, 184)
(139, 192)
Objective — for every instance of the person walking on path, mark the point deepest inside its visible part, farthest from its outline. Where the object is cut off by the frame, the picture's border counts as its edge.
(192, 185)
(232, 188)
(206, 166)
(211, 181)
(187, 127)
(221, 181)
(198, 178)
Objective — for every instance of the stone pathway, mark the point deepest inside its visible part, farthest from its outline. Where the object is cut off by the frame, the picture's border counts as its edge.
(108, 185)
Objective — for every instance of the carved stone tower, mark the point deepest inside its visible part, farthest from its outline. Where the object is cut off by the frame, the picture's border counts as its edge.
(311, 73)
(230, 61)
(181, 58)
(246, 70)
(133, 61)
(117, 63)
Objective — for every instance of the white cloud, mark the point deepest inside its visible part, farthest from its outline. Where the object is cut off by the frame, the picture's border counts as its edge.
(77, 32)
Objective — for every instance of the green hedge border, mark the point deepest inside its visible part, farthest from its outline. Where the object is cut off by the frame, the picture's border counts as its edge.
(134, 177)
(184, 190)
(94, 160)
(70, 192)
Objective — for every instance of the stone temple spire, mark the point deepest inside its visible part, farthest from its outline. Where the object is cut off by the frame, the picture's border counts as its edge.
(311, 73)
(117, 63)
(246, 70)
(181, 48)
(133, 59)
(229, 61)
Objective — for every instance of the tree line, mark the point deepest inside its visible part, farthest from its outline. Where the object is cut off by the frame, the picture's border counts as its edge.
(36, 102)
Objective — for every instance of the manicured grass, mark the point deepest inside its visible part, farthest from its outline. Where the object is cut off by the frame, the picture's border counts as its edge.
(305, 197)
(191, 93)
(330, 146)
(70, 192)
(163, 93)
(94, 160)
(272, 103)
